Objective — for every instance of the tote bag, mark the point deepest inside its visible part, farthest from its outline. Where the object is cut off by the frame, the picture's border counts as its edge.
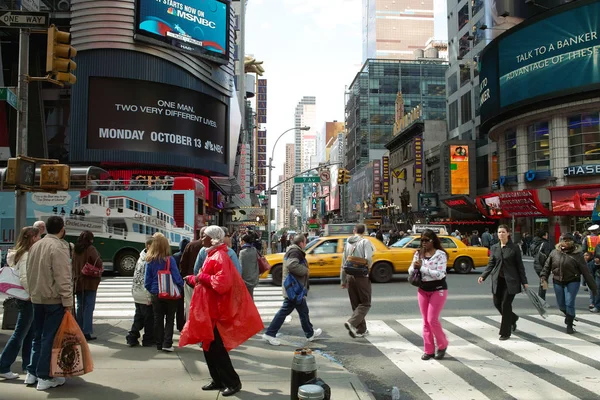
(167, 289)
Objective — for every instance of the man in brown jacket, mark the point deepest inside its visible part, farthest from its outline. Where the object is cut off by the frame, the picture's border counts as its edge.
(51, 289)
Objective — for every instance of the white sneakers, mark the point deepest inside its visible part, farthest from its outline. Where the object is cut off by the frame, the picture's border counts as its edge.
(30, 379)
(288, 320)
(271, 340)
(316, 334)
(9, 375)
(44, 384)
(351, 330)
(168, 349)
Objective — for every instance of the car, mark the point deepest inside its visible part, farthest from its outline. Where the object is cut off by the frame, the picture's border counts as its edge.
(461, 258)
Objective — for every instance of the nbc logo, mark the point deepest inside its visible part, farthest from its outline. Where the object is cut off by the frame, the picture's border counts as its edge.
(171, 11)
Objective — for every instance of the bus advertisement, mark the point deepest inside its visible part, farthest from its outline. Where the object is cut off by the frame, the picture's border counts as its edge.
(121, 220)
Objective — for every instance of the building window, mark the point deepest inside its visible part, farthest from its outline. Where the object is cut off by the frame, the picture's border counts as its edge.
(464, 46)
(453, 115)
(584, 139)
(482, 178)
(452, 83)
(463, 16)
(476, 5)
(465, 108)
(465, 74)
(538, 142)
(510, 142)
(478, 33)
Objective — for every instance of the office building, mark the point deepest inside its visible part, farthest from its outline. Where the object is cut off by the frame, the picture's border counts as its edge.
(305, 115)
(285, 190)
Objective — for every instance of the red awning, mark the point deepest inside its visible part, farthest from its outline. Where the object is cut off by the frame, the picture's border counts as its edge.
(472, 222)
(575, 200)
(522, 203)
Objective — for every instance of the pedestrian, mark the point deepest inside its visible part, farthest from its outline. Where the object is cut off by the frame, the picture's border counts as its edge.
(202, 255)
(508, 275)
(540, 250)
(229, 316)
(235, 242)
(49, 278)
(40, 226)
(596, 275)
(157, 258)
(486, 238)
(591, 240)
(249, 261)
(379, 236)
(431, 260)
(475, 239)
(359, 287)
(567, 265)
(283, 241)
(190, 254)
(144, 315)
(85, 286)
(591, 264)
(294, 262)
(22, 336)
(180, 314)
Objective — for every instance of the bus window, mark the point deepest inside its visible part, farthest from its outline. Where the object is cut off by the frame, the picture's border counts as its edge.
(200, 207)
(93, 199)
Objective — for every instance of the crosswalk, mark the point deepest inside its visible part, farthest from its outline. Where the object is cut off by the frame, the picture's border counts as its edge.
(540, 361)
(114, 300)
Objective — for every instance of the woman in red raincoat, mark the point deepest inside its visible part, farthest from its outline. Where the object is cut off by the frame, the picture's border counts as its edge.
(222, 313)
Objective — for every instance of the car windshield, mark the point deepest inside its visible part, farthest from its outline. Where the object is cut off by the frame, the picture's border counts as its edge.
(311, 244)
(402, 242)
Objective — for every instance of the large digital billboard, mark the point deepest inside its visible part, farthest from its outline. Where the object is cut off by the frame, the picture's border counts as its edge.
(459, 169)
(133, 115)
(199, 27)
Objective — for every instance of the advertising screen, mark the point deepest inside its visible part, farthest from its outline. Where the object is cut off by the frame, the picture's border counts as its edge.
(574, 201)
(132, 115)
(489, 92)
(542, 58)
(459, 169)
(492, 204)
(199, 27)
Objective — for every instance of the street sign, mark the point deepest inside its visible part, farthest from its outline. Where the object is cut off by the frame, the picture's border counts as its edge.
(24, 19)
(307, 179)
(7, 94)
(30, 5)
(273, 192)
(325, 176)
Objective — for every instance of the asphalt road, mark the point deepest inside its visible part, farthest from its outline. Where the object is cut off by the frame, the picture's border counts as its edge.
(330, 308)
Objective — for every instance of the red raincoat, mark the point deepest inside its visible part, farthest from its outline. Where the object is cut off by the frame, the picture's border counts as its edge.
(220, 298)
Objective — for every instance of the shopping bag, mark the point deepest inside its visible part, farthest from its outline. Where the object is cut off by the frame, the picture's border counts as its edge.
(188, 292)
(70, 352)
(167, 289)
(539, 303)
(11, 285)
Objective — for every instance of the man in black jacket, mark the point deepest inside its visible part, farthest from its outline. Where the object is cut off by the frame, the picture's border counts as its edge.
(540, 250)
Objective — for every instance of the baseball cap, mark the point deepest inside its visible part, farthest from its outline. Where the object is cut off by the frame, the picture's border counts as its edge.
(565, 237)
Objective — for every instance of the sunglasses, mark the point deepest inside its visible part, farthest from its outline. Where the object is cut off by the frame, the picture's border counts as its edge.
(424, 240)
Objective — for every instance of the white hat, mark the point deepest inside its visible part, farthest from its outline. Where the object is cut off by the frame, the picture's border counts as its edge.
(594, 227)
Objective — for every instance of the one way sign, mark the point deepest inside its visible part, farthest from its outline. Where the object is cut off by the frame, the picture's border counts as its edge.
(23, 19)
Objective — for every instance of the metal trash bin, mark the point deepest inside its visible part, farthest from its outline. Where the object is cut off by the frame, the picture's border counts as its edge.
(304, 368)
(11, 312)
(312, 392)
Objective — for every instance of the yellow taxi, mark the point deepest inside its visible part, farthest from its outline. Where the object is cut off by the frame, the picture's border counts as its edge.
(324, 257)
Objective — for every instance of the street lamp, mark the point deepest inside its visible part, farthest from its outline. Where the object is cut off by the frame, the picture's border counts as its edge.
(270, 166)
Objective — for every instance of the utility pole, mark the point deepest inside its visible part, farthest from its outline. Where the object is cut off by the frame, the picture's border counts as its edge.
(22, 123)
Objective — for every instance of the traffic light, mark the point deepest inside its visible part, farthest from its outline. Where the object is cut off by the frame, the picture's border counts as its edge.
(340, 176)
(58, 57)
(55, 177)
(347, 176)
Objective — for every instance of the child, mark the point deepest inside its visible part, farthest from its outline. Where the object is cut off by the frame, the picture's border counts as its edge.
(589, 259)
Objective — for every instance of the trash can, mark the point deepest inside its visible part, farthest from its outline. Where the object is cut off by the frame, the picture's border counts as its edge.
(11, 311)
(304, 368)
(312, 392)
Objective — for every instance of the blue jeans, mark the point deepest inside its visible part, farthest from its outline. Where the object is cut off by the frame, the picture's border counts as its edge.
(84, 313)
(596, 301)
(565, 296)
(46, 321)
(285, 310)
(20, 340)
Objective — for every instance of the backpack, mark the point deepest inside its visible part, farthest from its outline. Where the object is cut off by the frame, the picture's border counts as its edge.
(538, 254)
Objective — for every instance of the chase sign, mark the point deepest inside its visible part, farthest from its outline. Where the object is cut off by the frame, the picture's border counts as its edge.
(582, 170)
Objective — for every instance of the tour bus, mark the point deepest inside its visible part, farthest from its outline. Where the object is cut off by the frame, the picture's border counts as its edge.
(121, 215)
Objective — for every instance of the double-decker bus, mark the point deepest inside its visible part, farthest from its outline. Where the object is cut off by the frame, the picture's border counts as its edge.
(121, 215)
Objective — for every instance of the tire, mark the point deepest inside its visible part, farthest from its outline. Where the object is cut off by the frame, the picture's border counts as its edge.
(382, 272)
(276, 275)
(463, 265)
(126, 261)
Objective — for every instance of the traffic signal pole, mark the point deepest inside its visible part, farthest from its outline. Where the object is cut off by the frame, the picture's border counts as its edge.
(22, 124)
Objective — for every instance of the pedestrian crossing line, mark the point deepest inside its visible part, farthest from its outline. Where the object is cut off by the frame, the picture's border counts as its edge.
(494, 369)
(558, 364)
(429, 377)
(583, 327)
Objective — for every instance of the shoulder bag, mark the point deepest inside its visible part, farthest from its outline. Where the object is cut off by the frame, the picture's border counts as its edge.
(263, 264)
(356, 266)
(92, 270)
(415, 277)
(167, 289)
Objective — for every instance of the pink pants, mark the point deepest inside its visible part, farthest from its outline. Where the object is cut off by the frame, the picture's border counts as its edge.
(431, 305)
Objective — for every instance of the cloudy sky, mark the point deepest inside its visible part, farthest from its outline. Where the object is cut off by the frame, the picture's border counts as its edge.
(309, 48)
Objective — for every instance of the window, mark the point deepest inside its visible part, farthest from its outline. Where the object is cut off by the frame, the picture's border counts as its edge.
(584, 139)
(463, 16)
(415, 244)
(538, 146)
(482, 178)
(478, 33)
(448, 243)
(327, 247)
(476, 5)
(464, 46)
(465, 108)
(453, 115)
(452, 83)
(465, 74)
(510, 142)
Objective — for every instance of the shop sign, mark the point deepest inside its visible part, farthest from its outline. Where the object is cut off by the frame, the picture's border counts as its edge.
(386, 174)
(541, 220)
(461, 204)
(418, 149)
(428, 201)
(582, 170)
(522, 203)
(377, 177)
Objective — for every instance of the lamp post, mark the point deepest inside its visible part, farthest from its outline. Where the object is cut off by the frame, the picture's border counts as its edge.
(270, 166)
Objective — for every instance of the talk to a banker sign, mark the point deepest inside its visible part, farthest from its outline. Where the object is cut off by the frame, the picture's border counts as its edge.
(133, 115)
(558, 53)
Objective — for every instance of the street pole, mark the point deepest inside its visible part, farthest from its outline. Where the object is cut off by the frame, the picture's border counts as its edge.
(22, 124)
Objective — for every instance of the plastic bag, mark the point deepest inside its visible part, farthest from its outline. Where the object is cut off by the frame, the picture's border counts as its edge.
(70, 352)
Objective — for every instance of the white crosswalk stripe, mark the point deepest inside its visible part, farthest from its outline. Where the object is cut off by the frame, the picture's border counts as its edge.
(540, 361)
(114, 300)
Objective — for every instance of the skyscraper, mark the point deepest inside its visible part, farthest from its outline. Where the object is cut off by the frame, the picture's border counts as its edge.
(305, 115)
(394, 29)
(285, 190)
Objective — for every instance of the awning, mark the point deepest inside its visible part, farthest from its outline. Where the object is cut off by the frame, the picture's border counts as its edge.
(462, 204)
(522, 203)
(575, 200)
(471, 222)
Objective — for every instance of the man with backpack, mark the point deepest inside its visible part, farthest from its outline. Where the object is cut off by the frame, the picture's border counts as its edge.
(539, 250)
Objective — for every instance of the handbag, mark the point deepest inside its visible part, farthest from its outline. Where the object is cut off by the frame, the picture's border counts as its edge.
(415, 277)
(263, 264)
(356, 266)
(167, 289)
(92, 270)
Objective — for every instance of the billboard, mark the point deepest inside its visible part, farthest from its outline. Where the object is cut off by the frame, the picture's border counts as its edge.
(459, 169)
(198, 27)
(574, 200)
(133, 115)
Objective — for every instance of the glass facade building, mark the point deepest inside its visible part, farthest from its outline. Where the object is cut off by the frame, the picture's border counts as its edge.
(371, 99)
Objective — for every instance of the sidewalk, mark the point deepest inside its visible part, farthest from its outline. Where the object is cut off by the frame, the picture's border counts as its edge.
(124, 373)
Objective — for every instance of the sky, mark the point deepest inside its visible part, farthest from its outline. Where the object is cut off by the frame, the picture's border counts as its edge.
(309, 48)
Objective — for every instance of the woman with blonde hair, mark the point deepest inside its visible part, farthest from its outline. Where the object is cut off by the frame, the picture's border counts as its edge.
(159, 258)
(22, 336)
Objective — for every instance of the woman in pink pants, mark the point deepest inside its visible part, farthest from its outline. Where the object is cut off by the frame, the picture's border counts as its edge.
(431, 260)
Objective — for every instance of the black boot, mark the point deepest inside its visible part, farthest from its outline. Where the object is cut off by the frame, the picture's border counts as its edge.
(569, 321)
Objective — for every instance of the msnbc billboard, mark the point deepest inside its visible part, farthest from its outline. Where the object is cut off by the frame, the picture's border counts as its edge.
(549, 56)
(199, 27)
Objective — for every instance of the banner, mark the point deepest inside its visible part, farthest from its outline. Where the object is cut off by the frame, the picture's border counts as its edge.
(261, 155)
(377, 178)
(418, 149)
(386, 174)
(261, 102)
